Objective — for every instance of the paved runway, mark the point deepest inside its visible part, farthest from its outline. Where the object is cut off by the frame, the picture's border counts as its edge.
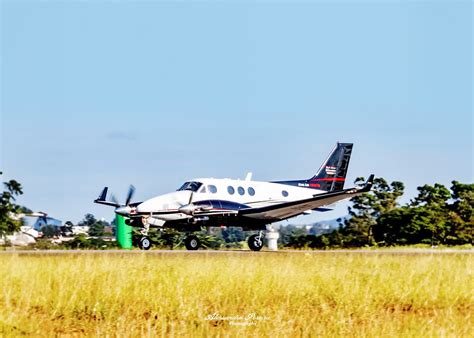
(242, 252)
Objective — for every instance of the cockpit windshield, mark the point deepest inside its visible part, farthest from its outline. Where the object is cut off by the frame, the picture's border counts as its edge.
(191, 186)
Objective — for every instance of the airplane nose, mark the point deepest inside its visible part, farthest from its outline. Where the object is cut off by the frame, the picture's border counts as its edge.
(143, 207)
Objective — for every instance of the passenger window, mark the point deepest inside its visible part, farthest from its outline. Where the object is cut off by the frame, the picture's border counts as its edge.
(284, 193)
(212, 188)
(251, 191)
(230, 190)
(241, 190)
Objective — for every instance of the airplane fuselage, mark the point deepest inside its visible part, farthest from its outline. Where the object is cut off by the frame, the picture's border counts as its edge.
(243, 193)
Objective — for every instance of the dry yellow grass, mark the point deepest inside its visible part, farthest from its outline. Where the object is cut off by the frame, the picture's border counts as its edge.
(293, 294)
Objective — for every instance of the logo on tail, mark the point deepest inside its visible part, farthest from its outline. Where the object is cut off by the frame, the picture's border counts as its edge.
(332, 173)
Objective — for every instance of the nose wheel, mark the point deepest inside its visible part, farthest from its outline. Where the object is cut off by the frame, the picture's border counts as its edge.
(192, 242)
(255, 242)
(144, 243)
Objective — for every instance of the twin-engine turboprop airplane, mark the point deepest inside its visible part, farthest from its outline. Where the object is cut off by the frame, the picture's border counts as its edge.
(251, 205)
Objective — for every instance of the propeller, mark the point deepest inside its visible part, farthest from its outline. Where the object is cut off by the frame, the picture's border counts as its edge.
(124, 209)
(131, 191)
(191, 197)
(188, 208)
(114, 199)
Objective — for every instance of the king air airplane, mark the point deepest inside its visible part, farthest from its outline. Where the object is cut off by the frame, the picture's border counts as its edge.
(251, 205)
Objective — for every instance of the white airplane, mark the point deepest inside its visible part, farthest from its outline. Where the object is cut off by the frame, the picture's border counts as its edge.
(251, 205)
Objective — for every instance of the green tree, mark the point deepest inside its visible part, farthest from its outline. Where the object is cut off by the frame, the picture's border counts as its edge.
(96, 229)
(49, 231)
(366, 209)
(209, 241)
(435, 216)
(460, 222)
(463, 196)
(430, 214)
(8, 209)
(286, 232)
(299, 238)
(233, 234)
(88, 220)
(433, 196)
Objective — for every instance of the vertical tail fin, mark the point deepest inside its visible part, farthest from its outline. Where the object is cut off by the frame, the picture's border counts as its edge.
(332, 173)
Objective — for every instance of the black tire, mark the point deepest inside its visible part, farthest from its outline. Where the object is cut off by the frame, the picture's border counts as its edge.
(144, 243)
(192, 243)
(254, 243)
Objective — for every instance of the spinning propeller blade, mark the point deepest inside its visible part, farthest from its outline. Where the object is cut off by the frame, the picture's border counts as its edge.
(114, 199)
(131, 191)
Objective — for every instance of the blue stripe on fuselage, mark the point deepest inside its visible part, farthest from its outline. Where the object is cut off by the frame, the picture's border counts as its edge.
(222, 204)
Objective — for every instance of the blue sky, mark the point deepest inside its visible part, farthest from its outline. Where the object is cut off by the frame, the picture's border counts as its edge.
(154, 93)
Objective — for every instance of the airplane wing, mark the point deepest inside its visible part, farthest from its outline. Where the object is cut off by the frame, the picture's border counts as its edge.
(290, 209)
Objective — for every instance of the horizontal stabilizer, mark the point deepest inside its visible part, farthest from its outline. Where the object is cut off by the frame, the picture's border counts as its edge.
(102, 199)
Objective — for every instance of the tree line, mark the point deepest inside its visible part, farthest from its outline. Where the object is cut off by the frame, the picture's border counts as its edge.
(436, 216)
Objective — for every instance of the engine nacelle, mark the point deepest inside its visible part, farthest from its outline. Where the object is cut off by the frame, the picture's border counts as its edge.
(188, 209)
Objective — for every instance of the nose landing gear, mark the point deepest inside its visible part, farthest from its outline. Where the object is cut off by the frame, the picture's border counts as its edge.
(145, 243)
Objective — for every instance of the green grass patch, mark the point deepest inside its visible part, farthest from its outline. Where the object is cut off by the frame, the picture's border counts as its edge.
(237, 294)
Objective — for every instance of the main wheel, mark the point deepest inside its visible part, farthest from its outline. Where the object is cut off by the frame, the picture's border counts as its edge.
(144, 243)
(191, 243)
(255, 243)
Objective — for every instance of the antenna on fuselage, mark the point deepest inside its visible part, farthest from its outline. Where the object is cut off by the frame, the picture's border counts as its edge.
(248, 177)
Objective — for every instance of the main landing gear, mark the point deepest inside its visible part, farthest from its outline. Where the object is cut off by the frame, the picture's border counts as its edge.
(191, 242)
(255, 242)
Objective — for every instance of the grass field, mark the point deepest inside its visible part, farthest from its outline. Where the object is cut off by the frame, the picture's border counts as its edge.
(237, 294)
